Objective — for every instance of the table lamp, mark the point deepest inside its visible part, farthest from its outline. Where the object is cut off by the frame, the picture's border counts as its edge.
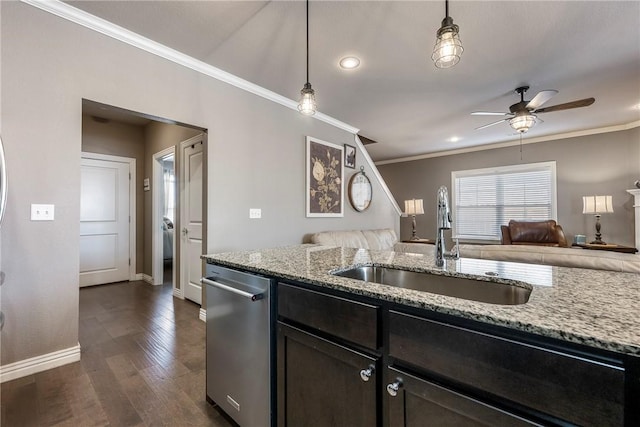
(597, 205)
(413, 207)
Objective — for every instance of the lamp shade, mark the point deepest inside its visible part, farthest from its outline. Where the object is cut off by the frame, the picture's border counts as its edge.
(307, 104)
(413, 207)
(448, 48)
(597, 204)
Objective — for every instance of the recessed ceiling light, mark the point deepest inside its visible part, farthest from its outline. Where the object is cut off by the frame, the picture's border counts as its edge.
(454, 139)
(349, 62)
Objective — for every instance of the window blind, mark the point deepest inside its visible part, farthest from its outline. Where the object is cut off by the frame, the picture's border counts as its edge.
(485, 199)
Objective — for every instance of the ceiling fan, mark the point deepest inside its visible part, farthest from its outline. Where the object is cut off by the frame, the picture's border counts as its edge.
(523, 114)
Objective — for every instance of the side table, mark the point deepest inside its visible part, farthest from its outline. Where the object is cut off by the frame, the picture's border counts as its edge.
(609, 247)
(426, 241)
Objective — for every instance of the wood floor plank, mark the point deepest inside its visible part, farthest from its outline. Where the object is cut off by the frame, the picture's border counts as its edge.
(17, 405)
(52, 406)
(85, 405)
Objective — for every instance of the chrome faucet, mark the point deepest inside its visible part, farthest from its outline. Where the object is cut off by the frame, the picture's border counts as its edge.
(443, 223)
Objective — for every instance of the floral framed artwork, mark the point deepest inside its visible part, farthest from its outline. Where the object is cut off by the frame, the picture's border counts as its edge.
(325, 182)
(349, 156)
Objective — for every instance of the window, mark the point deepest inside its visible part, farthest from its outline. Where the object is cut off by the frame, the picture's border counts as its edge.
(485, 199)
(169, 179)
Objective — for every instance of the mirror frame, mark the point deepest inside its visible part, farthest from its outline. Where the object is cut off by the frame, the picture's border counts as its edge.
(359, 178)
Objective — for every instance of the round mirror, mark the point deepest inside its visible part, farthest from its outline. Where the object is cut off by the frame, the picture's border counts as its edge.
(360, 191)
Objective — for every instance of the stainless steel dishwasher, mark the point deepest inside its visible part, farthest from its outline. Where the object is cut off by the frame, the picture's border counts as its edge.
(239, 344)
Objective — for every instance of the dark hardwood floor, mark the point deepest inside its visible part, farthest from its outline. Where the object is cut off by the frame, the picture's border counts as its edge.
(142, 364)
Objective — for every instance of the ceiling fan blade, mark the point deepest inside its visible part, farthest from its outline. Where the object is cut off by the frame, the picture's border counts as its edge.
(541, 98)
(566, 106)
(489, 113)
(491, 124)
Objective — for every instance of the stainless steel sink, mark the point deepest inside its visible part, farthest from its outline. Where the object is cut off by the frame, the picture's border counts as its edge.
(459, 287)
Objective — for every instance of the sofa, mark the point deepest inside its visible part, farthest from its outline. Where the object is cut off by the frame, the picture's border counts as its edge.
(536, 233)
(379, 240)
(387, 240)
(559, 256)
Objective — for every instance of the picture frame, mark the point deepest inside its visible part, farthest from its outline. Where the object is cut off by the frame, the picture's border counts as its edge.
(349, 156)
(324, 179)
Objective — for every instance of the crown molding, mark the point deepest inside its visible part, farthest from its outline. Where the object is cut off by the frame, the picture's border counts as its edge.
(102, 26)
(512, 143)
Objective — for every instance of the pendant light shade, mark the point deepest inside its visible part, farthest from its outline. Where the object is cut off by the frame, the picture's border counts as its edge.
(307, 104)
(448, 48)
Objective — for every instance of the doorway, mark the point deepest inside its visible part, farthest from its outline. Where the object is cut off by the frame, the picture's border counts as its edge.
(164, 204)
(151, 141)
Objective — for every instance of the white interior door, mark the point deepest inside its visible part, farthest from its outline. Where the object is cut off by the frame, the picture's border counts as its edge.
(191, 219)
(104, 222)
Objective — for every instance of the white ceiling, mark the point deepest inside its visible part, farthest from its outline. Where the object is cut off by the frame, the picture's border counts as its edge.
(397, 96)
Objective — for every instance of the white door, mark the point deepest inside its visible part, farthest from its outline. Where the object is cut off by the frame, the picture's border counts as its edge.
(104, 222)
(191, 218)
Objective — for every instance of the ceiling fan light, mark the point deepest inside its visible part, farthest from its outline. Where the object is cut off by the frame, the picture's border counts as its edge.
(523, 122)
(307, 104)
(448, 47)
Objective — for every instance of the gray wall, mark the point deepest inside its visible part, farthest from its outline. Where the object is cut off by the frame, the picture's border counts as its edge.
(255, 159)
(601, 164)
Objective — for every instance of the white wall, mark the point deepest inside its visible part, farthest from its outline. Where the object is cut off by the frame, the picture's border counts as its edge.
(256, 158)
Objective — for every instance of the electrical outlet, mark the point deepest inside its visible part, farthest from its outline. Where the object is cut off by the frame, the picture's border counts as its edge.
(42, 212)
(255, 213)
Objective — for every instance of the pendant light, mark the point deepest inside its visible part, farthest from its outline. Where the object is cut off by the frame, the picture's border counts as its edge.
(307, 104)
(448, 48)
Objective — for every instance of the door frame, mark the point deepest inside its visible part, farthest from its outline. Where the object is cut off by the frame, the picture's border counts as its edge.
(132, 203)
(157, 259)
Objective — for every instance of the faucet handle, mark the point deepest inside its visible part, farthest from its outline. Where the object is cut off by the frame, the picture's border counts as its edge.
(455, 250)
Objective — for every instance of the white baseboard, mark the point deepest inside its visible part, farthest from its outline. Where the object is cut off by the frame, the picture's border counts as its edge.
(147, 278)
(23, 368)
(203, 314)
(178, 293)
(137, 276)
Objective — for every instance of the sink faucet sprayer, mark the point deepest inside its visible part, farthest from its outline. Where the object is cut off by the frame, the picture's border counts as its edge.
(443, 223)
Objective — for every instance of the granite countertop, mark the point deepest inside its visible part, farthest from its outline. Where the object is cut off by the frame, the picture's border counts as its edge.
(592, 307)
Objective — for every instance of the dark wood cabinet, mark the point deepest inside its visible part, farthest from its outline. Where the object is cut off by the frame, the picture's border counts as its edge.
(321, 383)
(570, 388)
(427, 368)
(416, 402)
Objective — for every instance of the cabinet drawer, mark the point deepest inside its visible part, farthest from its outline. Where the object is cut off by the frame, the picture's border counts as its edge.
(350, 320)
(571, 388)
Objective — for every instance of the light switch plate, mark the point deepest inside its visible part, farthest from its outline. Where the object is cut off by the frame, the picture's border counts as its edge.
(42, 212)
(255, 213)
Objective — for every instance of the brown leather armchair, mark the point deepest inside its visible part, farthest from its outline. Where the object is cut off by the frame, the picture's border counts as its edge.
(541, 233)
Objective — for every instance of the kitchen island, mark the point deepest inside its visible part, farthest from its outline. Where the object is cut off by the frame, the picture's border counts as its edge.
(568, 355)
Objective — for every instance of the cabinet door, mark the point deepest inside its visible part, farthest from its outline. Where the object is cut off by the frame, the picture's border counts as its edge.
(414, 402)
(321, 383)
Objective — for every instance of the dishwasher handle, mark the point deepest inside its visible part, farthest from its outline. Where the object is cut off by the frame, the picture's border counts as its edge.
(249, 295)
